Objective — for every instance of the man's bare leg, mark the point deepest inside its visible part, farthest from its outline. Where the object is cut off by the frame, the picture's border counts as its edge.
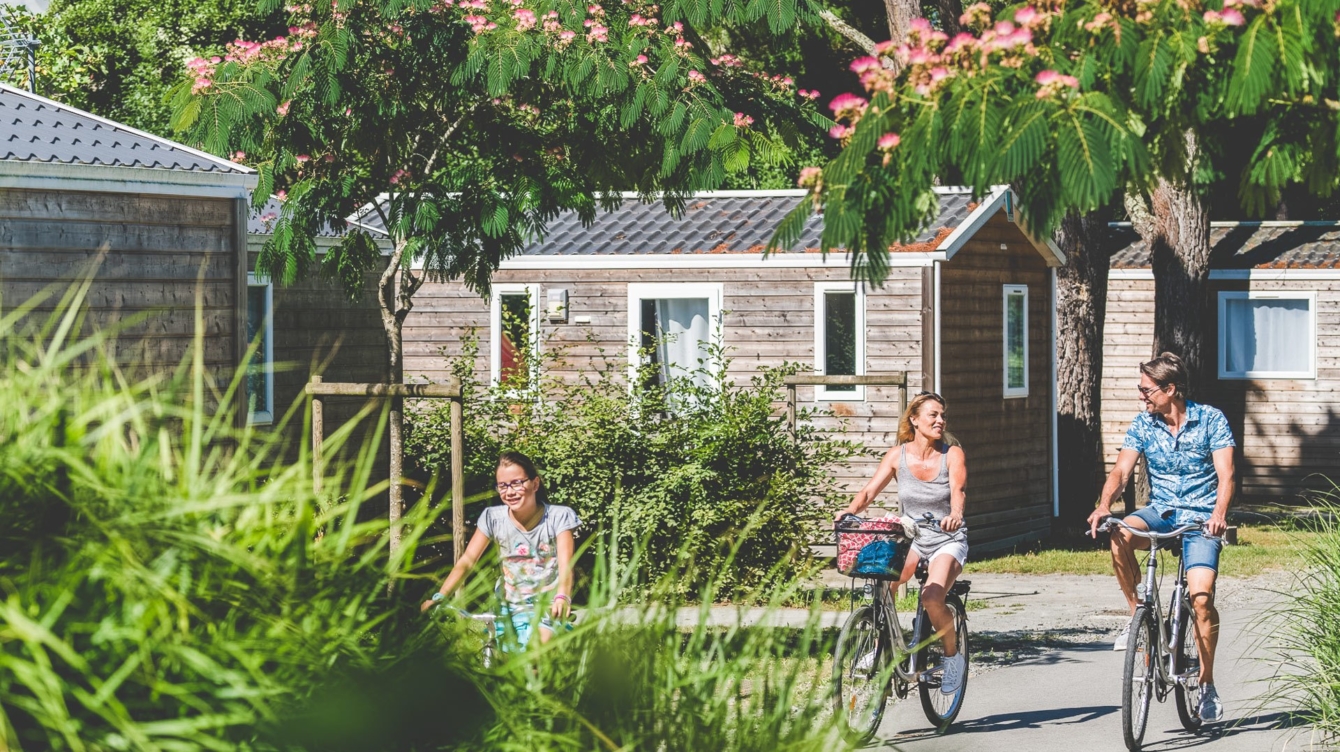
(1200, 589)
(1127, 569)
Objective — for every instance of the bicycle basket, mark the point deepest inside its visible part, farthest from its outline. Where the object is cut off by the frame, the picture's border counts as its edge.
(871, 548)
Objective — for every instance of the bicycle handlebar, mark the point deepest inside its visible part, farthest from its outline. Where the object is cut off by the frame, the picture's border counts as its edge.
(1111, 522)
(852, 526)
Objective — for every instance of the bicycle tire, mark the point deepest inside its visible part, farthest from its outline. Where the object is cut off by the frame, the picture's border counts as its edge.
(1138, 676)
(1186, 660)
(865, 686)
(941, 709)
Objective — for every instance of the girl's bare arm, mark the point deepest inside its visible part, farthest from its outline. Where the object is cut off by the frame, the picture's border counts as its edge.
(478, 544)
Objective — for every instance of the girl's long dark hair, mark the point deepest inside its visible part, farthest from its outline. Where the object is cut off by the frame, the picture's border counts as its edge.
(527, 465)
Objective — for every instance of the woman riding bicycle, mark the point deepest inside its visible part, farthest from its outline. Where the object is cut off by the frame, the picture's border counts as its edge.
(932, 477)
(536, 542)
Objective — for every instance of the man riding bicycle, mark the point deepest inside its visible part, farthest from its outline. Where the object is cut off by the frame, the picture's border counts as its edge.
(1188, 449)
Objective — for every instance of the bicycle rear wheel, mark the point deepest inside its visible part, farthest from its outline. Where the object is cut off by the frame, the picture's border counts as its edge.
(1186, 663)
(941, 709)
(1138, 678)
(862, 673)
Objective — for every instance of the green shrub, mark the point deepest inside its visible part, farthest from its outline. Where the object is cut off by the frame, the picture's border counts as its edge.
(692, 468)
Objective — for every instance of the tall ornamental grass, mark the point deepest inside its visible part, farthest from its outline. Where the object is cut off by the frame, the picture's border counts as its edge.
(1309, 643)
(168, 582)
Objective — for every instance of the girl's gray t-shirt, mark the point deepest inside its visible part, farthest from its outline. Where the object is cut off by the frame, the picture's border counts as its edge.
(529, 557)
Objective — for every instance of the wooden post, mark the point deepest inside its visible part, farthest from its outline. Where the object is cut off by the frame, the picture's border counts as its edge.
(317, 428)
(457, 478)
(791, 408)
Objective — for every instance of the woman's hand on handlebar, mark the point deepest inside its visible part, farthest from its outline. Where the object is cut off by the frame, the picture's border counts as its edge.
(951, 523)
(857, 505)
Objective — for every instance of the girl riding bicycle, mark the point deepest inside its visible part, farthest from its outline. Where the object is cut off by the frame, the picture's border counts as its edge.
(536, 543)
(932, 477)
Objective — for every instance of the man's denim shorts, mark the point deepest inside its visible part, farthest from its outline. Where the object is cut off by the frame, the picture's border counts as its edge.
(1197, 550)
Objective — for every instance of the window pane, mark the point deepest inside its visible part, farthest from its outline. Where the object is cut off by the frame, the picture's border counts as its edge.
(683, 326)
(840, 337)
(1267, 335)
(257, 373)
(1014, 341)
(514, 345)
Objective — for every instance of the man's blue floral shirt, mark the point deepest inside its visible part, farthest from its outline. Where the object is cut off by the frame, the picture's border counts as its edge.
(1181, 468)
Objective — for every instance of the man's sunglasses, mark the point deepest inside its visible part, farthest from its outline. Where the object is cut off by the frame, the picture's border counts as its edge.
(1146, 391)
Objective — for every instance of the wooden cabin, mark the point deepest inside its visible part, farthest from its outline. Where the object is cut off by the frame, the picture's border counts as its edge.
(966, 311)
(164, 228)
(1271, 341)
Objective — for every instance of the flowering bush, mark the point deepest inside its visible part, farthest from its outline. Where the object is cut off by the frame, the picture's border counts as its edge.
(701, 473)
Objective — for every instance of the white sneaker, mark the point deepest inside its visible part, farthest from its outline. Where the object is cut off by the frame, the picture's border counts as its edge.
(866, 662)
(1211, 708)
(1123, 638)
(951, 680)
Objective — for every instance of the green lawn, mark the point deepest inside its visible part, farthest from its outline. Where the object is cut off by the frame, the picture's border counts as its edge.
(1260, 548)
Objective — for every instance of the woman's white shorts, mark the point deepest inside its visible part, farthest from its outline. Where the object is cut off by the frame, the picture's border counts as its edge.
(955, 547)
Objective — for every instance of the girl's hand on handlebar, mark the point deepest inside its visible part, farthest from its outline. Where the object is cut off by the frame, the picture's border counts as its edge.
(951, 523)
(560, 608)
(427, 605)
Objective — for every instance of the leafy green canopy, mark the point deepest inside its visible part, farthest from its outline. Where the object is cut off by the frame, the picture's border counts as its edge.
(478, 120)
(1072, 102)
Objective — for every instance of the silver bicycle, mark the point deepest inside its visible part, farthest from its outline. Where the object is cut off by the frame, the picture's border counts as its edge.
(1161, 656)
(875, 660)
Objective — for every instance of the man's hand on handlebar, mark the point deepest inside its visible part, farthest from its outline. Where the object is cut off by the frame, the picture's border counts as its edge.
(1096, 519)
(1215, 526)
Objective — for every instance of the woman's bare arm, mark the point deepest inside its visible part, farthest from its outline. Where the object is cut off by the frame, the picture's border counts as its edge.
(887, 471)
(958, 489)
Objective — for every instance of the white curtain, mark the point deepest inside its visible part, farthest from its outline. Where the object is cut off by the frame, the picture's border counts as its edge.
(685, 326)
(1267, 335)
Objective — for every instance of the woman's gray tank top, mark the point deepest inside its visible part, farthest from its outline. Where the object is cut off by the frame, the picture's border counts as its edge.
(919, 496)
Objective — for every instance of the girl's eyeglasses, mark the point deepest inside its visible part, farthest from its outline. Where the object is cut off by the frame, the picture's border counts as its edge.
(515, 485)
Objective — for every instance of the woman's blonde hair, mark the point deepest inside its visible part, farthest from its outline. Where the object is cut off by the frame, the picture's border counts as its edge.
(906, 431)
(1167, 369)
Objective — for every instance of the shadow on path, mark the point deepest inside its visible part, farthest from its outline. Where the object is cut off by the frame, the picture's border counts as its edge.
(1214, 732)
(1029, 719)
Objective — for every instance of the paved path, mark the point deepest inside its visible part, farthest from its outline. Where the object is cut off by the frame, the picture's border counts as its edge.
(1059, 689)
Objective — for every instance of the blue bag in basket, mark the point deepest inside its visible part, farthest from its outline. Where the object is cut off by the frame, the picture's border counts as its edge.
(878, 558)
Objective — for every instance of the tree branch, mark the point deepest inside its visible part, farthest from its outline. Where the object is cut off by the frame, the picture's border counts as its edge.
(855, 36)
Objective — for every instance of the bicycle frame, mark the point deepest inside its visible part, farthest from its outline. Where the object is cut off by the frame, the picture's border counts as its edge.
(1169, 630)
(906, 668)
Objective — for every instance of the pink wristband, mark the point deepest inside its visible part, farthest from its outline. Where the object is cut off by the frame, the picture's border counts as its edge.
(563, 596)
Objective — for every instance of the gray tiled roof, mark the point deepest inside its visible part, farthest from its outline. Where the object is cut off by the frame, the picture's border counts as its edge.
(36, 129)
(1247, 245)
(725, 222)
(261, 221)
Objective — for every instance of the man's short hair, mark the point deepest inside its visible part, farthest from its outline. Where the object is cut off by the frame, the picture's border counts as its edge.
(1167, 369)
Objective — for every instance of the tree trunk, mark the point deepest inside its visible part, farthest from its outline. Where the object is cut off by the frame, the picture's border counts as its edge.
(1179, 253)
(1081, 304)
(949, 12)
(901, 13)
(392, 302)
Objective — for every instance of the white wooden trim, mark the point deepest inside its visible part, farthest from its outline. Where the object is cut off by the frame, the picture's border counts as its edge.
(1006, 292)
(640, 291)
(1056, 451)
(256, 243)
(991, 204)
(123, 127)
(265, 417)
(1227, 295)
(823, 393)
(44, 176)
(1249, 275)
(532, 292)
(672, 261)
(937, 348)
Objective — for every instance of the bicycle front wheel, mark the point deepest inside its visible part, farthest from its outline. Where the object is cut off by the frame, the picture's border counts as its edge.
(1186, 664)
(862, 673)
(941, 709)
(1138, 678)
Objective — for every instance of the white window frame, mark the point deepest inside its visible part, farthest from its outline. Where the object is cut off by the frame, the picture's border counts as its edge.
(532, 292)
(1226, 295)
(1007, 291)
(820, 343)
(640, 291)
(264, 417)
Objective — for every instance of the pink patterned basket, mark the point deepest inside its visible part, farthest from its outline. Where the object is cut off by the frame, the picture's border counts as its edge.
(852, 536)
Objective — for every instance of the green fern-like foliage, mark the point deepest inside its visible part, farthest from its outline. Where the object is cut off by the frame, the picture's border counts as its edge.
(477, 123)
(1071, 104)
